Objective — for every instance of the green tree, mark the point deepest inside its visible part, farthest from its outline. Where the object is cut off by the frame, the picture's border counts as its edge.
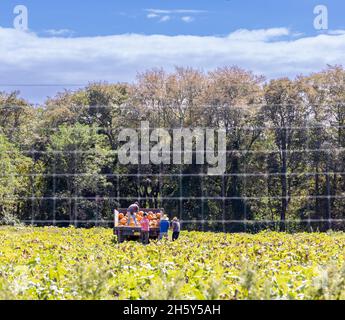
(286, 112)
(14, 180)
(78, 153)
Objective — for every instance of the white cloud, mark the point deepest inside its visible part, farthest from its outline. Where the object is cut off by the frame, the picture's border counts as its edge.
(27, 58)
(187, 19)
(259, 35)
(180, 11)
(164, 19)
(59, 32)
(336, 32)
(166, 15)
(152, 15)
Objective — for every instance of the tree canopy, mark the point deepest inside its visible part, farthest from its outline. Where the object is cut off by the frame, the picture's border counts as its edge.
(285, 144)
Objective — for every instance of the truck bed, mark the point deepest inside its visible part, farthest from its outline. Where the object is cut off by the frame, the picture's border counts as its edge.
(125, 233)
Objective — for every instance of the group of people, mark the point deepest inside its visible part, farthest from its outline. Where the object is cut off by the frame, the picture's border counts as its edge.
(164, 225)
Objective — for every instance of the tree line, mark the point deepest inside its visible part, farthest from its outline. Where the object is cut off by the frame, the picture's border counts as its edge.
(285, 151)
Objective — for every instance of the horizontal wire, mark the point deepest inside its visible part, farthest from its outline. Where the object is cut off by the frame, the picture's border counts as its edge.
(262, 221)
(42, 85)
(204, 221)
(177, 151)
(202, 175)
(229, 128)
(205, 198)
(128, 105)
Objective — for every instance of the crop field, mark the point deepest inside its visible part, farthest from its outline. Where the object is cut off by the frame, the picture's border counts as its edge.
(53, 263)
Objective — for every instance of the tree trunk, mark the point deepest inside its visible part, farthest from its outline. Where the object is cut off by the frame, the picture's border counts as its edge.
(328, 200)
(284, 201)
(316, 192)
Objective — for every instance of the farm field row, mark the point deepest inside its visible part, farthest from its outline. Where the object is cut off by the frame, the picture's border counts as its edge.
(53, 263)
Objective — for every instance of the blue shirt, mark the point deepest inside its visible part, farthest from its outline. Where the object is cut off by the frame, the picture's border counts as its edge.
(164, 226)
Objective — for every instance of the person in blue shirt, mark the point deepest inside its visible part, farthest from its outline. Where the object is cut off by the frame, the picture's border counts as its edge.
(164, 227)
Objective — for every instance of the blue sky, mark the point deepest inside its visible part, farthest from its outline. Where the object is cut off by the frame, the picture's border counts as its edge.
(76, 42)
(217, 17)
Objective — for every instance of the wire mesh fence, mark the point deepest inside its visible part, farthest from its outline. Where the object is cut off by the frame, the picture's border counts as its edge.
(289, 177)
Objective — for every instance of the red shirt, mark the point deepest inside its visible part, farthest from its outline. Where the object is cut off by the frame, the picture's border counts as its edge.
(145, 224)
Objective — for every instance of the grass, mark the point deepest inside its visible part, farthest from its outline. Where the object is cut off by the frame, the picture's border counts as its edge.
(53, 263)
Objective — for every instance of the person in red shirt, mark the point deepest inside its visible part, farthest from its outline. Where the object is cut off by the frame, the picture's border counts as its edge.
(145, 229)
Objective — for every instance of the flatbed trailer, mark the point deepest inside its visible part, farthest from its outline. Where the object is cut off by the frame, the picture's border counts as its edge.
(130, 233)
(124, 233)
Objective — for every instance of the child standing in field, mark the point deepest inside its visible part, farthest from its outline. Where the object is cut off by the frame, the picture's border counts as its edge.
(176, 229)
(164, 227)
(145, 229)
